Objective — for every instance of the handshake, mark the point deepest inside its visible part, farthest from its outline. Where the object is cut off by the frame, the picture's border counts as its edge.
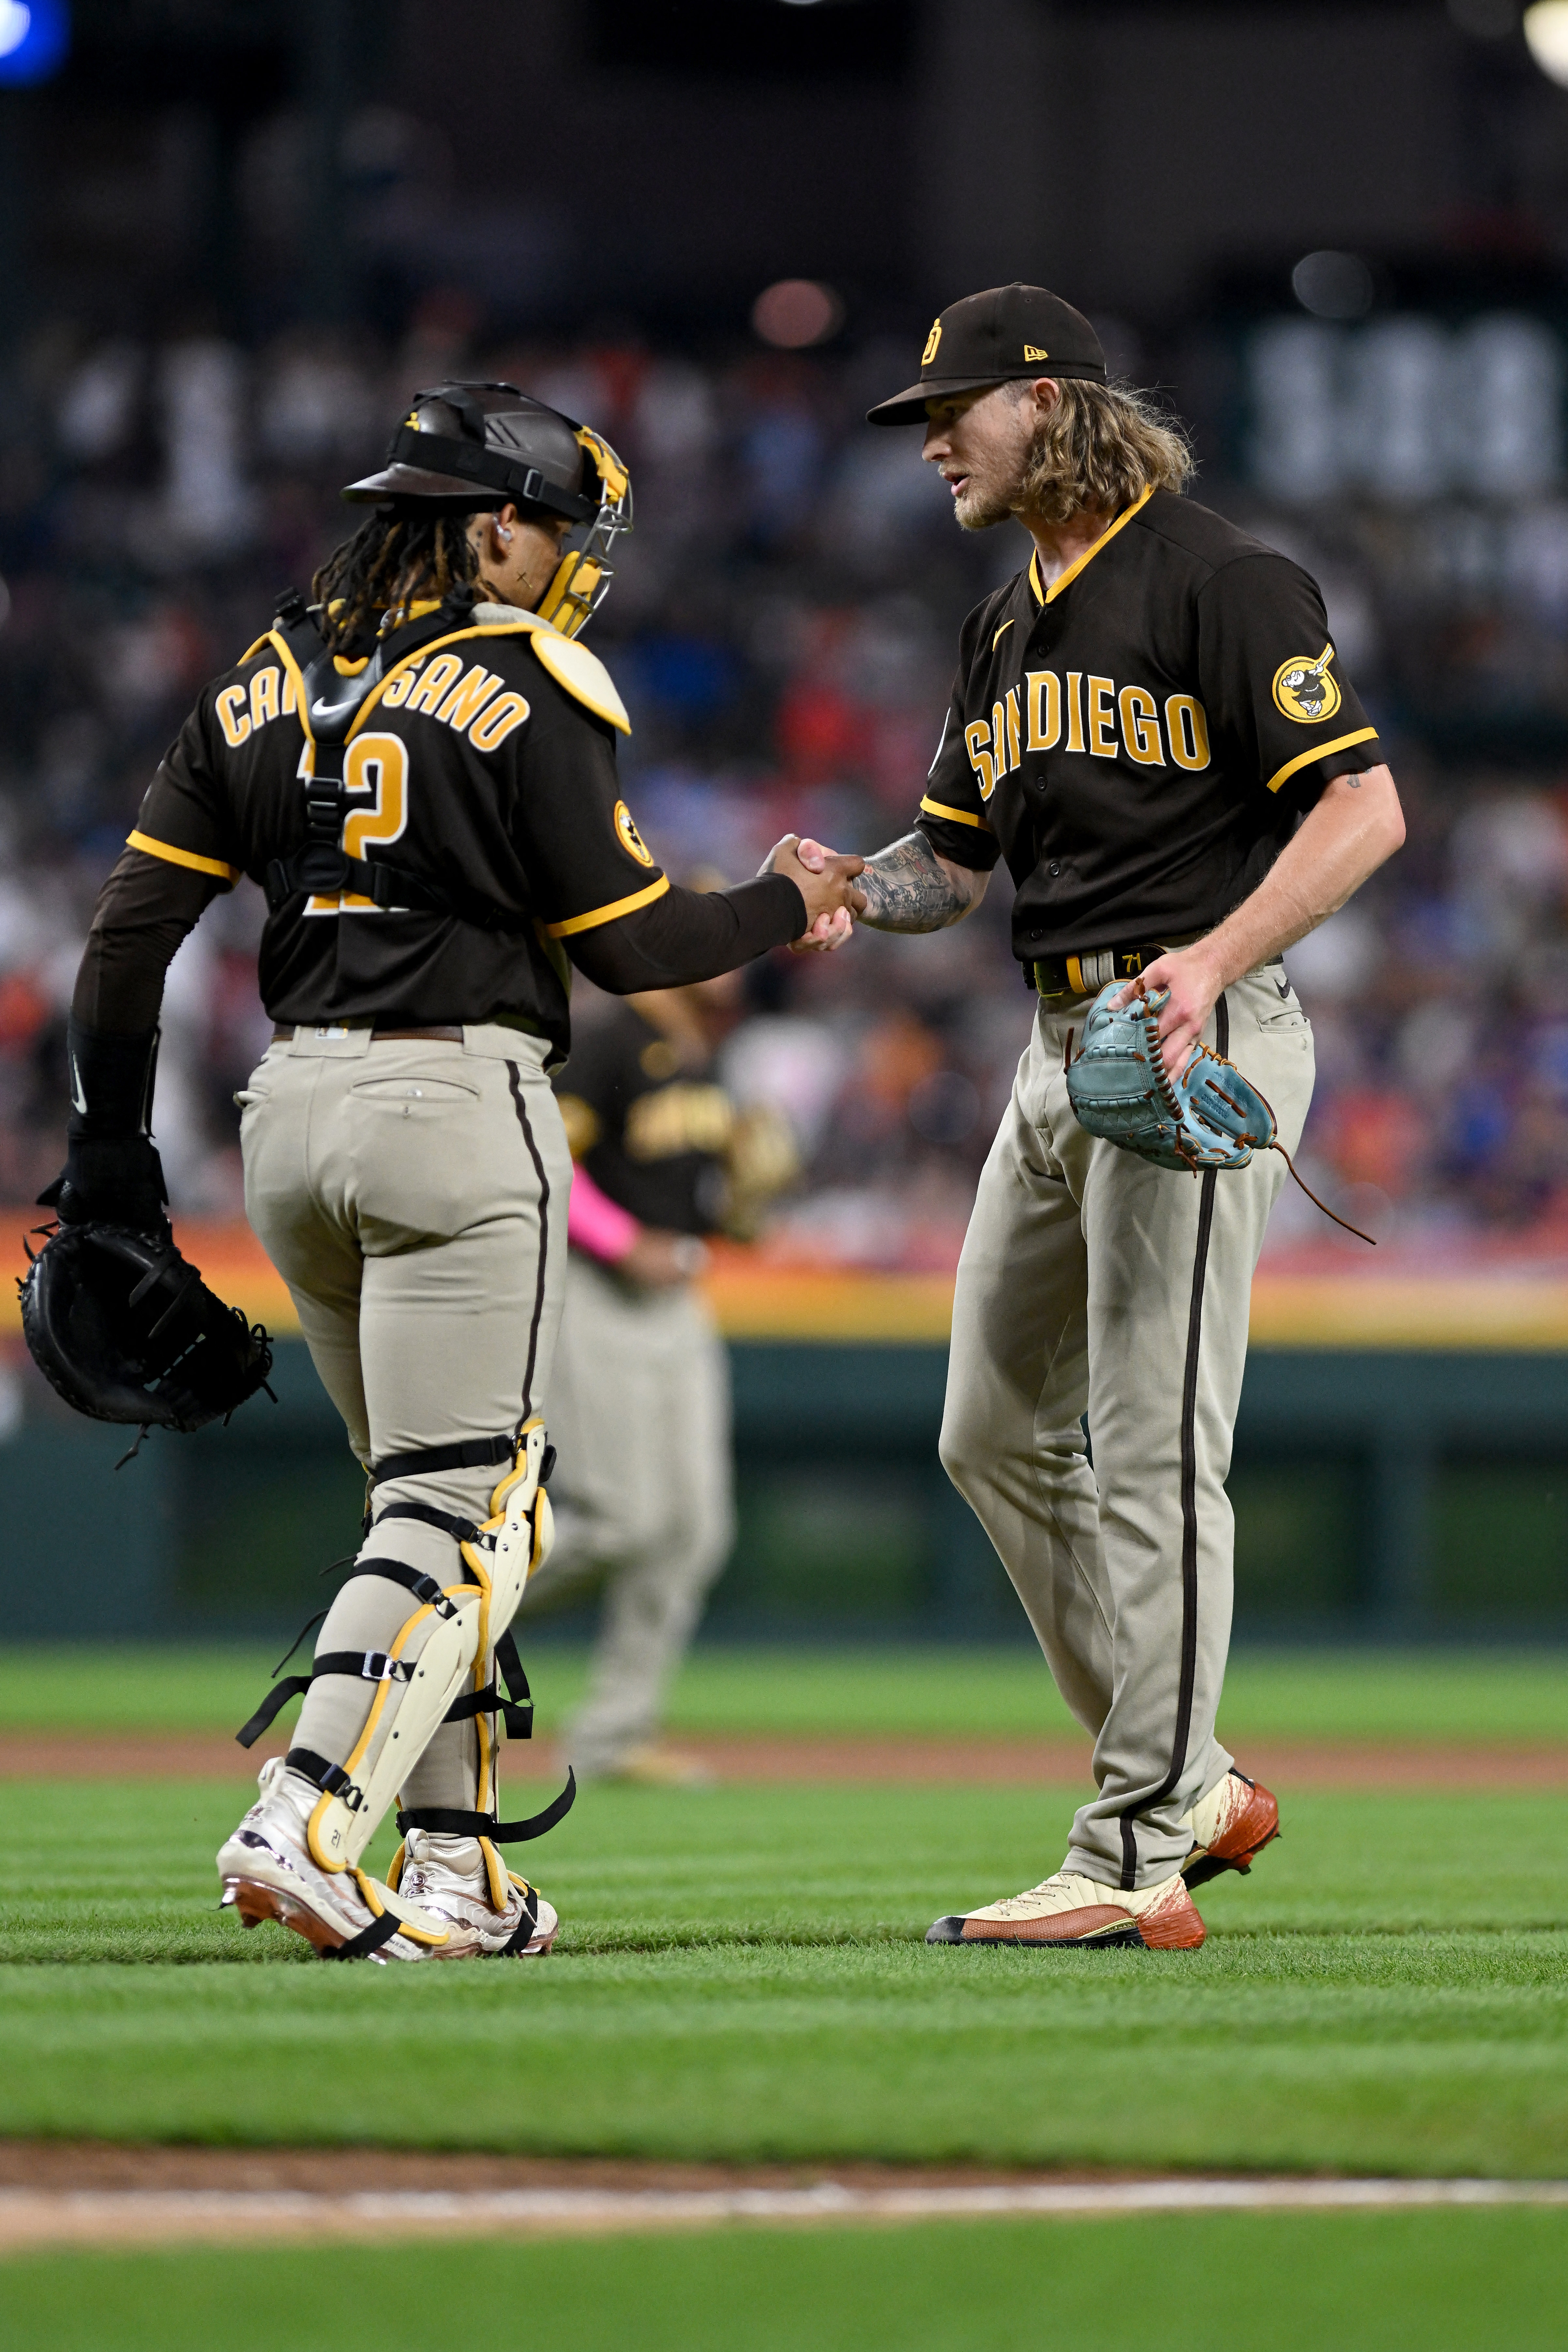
(826, 882)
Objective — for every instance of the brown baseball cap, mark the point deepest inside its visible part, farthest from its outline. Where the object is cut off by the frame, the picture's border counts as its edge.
(1008, 331)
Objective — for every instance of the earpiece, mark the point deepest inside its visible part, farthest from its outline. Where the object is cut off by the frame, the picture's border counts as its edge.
(503, 534)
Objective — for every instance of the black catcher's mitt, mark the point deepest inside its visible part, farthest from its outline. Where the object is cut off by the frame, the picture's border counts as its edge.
(126, 1331)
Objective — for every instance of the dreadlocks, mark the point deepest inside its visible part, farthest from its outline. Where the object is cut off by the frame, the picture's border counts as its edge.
(390, 559)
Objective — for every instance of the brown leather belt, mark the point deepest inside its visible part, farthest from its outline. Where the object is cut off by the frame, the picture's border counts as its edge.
(446, 1033)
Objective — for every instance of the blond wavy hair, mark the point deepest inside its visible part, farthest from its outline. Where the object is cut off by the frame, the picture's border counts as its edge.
(1101, 447)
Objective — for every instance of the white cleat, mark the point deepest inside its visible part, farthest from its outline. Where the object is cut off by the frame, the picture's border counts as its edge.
(447, 1877)
(1068, 1909)
(269, 1872)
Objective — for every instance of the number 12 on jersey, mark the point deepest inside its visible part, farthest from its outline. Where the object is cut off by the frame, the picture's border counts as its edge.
(375, 770)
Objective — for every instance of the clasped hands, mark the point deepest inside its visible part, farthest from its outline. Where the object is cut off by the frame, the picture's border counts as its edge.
(826, 882)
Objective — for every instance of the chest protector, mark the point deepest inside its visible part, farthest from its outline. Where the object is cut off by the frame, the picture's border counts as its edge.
(328, 704)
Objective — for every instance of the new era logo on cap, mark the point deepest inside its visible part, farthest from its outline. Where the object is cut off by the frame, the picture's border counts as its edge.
(988, 337)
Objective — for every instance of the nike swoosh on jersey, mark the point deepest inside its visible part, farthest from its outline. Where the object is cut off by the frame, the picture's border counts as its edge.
(79, 1099)
(1284, 988)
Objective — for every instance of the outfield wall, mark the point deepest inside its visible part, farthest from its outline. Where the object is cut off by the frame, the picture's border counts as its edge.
(1379, 1492)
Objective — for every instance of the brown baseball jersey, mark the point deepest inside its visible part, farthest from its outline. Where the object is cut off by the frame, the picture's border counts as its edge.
(1139, 740)
(484, 763)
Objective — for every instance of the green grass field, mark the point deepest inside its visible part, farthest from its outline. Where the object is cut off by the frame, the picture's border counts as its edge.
(1285, 1695)
(742, 1976)
(741, 1973)
(1402, 2283)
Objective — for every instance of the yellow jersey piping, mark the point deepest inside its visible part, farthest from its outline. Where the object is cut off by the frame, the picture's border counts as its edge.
(1320, 751)
(1065, 580)
(292, 667)
(618, 907)
(480, 629)
(1001, 632)
(958, 816)
(183, 857)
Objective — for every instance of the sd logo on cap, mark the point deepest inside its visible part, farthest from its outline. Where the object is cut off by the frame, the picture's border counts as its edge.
(990, 338)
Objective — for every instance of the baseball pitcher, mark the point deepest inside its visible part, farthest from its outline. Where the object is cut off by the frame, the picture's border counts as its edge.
(1150, 724)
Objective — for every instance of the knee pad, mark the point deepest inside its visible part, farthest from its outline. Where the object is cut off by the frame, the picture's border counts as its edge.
(438, 1669)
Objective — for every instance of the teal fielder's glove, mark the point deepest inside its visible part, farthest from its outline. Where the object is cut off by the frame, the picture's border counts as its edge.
(1210, 1116)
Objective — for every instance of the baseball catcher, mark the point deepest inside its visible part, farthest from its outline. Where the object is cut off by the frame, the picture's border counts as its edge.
(418, 769)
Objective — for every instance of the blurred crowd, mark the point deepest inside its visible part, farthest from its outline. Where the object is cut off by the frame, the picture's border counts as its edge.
(782, 627)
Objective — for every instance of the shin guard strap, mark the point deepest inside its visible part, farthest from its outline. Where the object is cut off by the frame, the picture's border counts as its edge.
(517, 1706)
(522, 1935)
(331, 1778)
(412, 1580)
(447, 1822)
(275, 1702)
(460, 1531)
(367, 1665)
(475, 1454)
(369, 1940)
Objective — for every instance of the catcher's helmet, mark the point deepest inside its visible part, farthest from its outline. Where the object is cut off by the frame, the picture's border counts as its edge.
(126, 1331)
(469, 449)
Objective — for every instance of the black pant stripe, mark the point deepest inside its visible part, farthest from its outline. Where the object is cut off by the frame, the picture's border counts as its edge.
(1210, 1178)
(1129, 1853)
(518, 1105)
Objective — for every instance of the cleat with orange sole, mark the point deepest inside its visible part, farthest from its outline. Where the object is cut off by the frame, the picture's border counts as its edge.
(1230, 1827)
(1067, 1909)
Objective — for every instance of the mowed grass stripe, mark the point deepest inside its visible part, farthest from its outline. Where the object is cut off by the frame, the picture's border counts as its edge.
(742, 1979)
(1439, 2282)
(1353, 1696)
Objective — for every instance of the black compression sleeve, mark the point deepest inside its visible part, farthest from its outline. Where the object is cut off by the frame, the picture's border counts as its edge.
(690, 935)
(144, 910)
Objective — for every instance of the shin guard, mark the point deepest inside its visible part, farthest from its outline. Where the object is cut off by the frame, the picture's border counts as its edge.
(449, 1641)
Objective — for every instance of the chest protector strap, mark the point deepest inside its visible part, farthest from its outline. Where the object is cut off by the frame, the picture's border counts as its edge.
(321, 867)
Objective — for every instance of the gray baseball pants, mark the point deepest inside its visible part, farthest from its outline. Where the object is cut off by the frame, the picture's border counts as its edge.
(1093, 1283)
(643, 1491)
(412, 1195)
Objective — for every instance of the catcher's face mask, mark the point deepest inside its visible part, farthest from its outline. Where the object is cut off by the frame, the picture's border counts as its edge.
(582, 577)
(468, 448)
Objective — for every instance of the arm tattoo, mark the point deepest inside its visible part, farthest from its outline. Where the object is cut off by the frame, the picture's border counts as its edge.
(907, 888)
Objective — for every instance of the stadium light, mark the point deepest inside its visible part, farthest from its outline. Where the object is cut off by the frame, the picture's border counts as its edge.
(1333, 285)
(1546, 31)
(796, 314)
(33, 37)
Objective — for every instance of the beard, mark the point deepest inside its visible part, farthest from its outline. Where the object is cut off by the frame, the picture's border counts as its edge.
(980, 506)
(1015, 484)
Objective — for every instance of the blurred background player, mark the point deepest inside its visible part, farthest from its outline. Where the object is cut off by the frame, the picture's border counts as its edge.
(644, 1486)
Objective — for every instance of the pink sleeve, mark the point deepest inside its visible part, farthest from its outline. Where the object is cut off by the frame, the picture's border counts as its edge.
(595, 1223)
